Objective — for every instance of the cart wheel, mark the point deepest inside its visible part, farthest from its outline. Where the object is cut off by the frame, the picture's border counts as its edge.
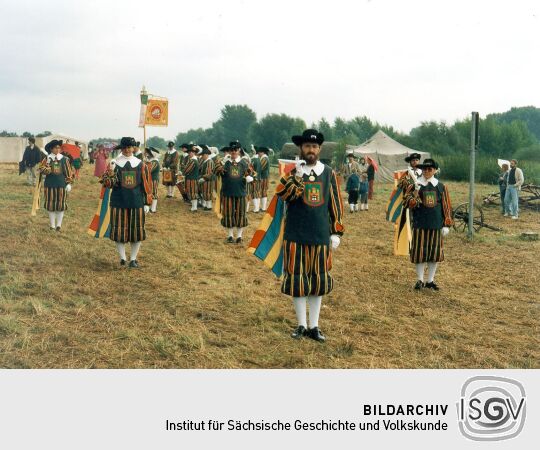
(461, 218)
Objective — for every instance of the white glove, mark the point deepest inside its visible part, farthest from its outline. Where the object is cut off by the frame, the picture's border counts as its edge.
(249, 178)
(299, 164)
(445, 231)
(146, 209)
(68, 188)
(227, 158)
(334, 241)
(201, 180)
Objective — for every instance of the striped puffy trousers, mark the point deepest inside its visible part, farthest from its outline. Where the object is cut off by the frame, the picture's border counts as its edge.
(207, 189)
(306, 269)
(256, 188)
(127, 224)
(426, 246)
(155, 184)
(55, 198)
(233, 210)
(192, 189)
(263, 186)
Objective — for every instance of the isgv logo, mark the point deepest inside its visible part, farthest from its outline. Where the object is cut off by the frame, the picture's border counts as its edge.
(491, 408)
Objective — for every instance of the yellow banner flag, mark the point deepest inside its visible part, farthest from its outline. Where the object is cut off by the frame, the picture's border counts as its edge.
(157, 112)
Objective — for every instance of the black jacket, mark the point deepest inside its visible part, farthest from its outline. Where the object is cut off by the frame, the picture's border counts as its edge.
(32, 156)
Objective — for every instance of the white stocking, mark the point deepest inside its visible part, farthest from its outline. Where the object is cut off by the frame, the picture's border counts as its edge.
(420, 267)
(135, 246)
(52, 219)
(154, 205)
(194, 205)
(432, 268)
(239, 232)
(314, 310)
(231, 232)
(59, 218)
(300, 309)
(121, 247)
(264, 202)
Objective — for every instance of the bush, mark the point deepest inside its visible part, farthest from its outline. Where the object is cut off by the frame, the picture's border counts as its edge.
(456, 168)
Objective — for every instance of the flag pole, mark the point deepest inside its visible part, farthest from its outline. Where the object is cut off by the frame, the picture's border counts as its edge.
(144, 101)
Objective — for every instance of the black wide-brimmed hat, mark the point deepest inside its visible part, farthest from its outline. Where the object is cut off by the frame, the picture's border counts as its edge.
(417, 156)
(151, 151)
(138, 144)
(127, 142)
(170, 144)
(309, 135)
(235, 145)
(204, 150)
(50, 145)
(262, 150)
(225, 149)
(428, 163)
(184, 145)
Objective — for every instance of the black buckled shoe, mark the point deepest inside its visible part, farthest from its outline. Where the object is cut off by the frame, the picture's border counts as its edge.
(230, 240)
(316, 334)
(58, 229)
(300, 332)
(122, 262)
(419, 285)
(134, 264)
(238, 240)
(432, 285)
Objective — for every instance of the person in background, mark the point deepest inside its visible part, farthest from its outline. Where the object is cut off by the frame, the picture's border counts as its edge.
(352, 188)
(77, 162)
(350, 167)
(100, 156)
(370, 178)
(31, 158)
(363, 191)
(90, 153)
(363, 166)
(513, 186)
(503, 180)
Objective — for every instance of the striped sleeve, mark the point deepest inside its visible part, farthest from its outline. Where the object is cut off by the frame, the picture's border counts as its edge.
(219, 168)
(189, 167)
(264, 163)
(290, 188)
(447, 208)
(410, 197)
(69, 173)
(209, 170)
(146, 185)
(335, 206)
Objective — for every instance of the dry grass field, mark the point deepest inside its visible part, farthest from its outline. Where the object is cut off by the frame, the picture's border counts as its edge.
(199, 303)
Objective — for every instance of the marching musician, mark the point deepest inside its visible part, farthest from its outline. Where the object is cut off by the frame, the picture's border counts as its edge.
(171, 163)
(313, 227)
(131, 197)
(58, 178)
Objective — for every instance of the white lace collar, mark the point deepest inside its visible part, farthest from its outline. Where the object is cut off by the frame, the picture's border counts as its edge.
(318, 168)
(422, 181)
(121, 161)
(170, 152)
(237, 160)
(58, 157)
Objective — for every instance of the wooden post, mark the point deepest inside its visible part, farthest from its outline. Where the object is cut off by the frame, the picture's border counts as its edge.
(474, 145)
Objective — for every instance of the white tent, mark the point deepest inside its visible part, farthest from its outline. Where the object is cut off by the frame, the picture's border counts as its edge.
(389, 154)
(12, 148)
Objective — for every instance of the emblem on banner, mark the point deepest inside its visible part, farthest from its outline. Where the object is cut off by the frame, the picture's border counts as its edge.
(313, 195)
(167, 176)
(129, 179)
(491, 408)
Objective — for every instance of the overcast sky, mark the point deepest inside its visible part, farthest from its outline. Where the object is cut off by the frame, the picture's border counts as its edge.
(77, 66)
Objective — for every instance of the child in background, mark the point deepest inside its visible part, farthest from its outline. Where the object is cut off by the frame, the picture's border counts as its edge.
(363, 191)
(353, 184)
